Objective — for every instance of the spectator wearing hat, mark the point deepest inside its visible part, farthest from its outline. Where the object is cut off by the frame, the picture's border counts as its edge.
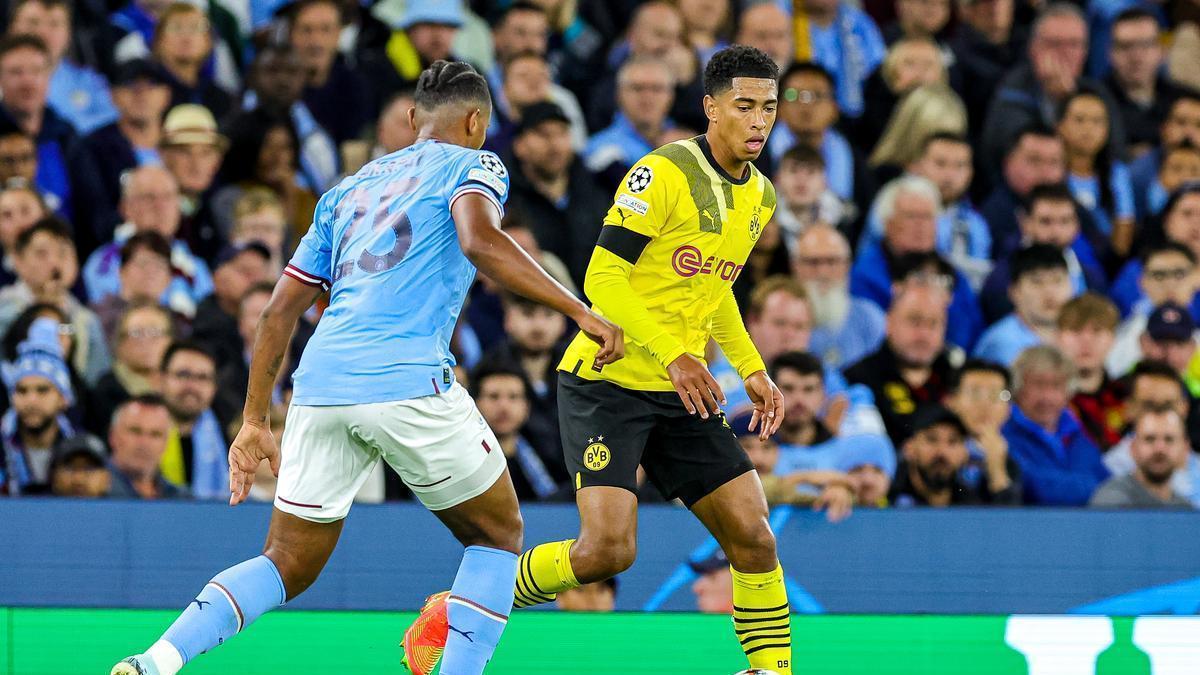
(1159, 449)
(183, 44)
(145, 277)
(560, 199)
(424, 33)
(1170, 336)
(80, 468)
(337, 95)
(150, 203)
(1168, 273)
(47, 269)
(192, 150)
(1039, 287)
(276, 82)
(39, 388)
(935, 460)
(25, 80)
(238, 268)
(78, 93)
(1060, 465)
(645, 92)
(1086, 333)
(713, 587)
(142, 95)
(871, 468)
(1155, 386)
(137, 441)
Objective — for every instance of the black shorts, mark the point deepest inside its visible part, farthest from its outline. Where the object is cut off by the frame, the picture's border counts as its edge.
(607, 431)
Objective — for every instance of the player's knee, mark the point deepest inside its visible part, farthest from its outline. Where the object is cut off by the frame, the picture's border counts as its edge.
(297, 571)
(754, 551)
(506, 533)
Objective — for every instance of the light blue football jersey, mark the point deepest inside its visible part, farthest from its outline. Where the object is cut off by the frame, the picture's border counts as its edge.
(383, 243)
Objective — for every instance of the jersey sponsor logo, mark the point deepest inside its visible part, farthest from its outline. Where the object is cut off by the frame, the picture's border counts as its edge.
(640, 179)
(492, 163)
(487, 178)
(688, 261)
(633, 204)
(597, 455)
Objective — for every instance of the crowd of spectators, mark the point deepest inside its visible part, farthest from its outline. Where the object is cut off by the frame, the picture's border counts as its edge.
(980, 285)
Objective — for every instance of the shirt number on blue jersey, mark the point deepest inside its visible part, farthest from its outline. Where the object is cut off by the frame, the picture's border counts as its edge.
(398, 222)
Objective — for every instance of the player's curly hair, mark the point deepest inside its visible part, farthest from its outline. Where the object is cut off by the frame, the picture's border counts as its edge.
(737, 61)
(450, 82)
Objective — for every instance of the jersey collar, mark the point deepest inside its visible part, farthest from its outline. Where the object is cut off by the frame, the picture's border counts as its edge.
(702, 141)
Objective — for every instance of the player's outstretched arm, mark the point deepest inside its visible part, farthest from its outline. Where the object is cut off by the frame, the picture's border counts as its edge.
(254, 441)
(495, 254)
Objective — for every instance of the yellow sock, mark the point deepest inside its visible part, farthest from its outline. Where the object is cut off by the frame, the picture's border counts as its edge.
(761, 620)
(542, 572)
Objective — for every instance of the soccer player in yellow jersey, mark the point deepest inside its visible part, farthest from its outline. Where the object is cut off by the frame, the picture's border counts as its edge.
(681, 226)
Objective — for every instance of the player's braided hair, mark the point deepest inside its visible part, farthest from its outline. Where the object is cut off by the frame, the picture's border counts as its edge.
(450, 82)
(737, 61)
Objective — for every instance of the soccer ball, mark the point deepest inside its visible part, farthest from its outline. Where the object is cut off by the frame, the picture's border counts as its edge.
(756, 671)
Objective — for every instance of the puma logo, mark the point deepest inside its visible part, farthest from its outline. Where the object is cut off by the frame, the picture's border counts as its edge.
(201, 603)
(467, 634)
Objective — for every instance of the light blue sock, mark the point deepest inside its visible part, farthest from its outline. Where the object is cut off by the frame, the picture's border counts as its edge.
(227, 604)
(478, 607)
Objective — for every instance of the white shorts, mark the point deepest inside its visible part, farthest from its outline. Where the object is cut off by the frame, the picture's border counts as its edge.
(440, 446)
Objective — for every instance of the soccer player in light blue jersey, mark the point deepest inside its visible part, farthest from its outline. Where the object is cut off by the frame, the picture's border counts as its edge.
(397, 246)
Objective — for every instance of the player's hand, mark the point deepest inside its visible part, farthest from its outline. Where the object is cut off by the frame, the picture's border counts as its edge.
(837, 501)
(768, 404)
(253, 444)
(605, 333)
(696, 386)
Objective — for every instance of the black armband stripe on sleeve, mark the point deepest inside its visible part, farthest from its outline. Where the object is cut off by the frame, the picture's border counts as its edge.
(623, 243)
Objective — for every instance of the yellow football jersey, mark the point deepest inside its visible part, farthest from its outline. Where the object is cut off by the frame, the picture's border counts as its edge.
(673, 242)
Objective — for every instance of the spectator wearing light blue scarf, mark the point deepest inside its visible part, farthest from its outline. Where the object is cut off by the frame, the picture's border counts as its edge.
(39, 386)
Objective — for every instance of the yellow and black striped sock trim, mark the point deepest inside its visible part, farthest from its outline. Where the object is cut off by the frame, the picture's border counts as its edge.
(754, 625)
(527, 593)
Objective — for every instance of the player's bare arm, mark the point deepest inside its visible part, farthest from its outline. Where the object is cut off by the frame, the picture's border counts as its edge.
(254, 441)
(502, 259)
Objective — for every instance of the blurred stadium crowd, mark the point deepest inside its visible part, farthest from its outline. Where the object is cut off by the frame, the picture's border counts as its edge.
(980, 286)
